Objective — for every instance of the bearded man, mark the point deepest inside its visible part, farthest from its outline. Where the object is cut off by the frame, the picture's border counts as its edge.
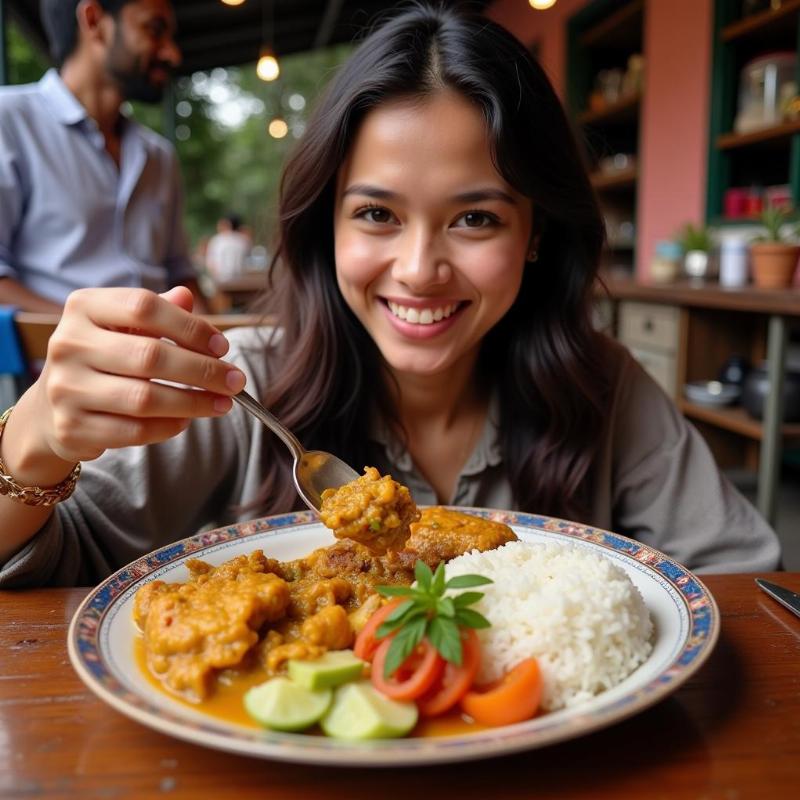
(87, 196)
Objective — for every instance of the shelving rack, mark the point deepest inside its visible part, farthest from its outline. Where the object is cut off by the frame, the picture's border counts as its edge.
(603, 35)
(764, 157)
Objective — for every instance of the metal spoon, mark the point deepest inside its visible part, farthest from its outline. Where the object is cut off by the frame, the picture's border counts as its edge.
(312, 470)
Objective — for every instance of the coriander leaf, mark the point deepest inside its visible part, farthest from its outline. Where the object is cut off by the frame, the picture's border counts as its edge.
(445, 637)
(468, 618)
(446, 607)
(467, 599)
(394, 591)
(467, 581)
(403, 645)
(423, 574)
(437, 586)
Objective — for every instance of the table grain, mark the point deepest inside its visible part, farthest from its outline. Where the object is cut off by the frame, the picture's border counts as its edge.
(732, 731)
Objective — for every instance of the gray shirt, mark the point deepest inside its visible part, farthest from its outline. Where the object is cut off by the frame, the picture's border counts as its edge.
(654, 480)
(69, 218)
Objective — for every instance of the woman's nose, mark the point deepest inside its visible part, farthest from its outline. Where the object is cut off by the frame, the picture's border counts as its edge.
(420, 261)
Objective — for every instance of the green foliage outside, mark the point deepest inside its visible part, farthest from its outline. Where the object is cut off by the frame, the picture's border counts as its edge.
(229, 163)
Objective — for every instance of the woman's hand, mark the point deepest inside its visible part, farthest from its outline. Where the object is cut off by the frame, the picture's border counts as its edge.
(101, 383)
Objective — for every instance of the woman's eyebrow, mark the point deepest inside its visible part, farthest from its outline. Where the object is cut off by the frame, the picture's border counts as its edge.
(472, 196)
(371, 191)
(478, 195)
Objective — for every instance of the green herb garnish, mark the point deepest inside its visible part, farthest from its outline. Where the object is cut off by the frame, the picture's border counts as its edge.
(427, 612)
(374, 524)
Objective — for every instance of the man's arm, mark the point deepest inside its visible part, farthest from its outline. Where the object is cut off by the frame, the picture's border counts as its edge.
(13, 293)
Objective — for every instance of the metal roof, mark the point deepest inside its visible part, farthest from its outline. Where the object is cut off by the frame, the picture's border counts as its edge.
(212, 34)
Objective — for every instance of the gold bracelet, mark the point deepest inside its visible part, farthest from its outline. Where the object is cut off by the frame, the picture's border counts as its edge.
(34, 495)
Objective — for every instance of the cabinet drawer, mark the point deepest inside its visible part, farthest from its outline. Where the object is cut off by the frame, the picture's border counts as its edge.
(660, 366)
(649, 325)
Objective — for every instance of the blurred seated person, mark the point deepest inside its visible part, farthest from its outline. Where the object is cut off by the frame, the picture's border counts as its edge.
(228, 250)
(89, 198)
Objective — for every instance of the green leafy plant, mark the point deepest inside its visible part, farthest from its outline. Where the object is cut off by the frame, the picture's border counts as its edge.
(430, 612)
(773, 219)
(695, 237)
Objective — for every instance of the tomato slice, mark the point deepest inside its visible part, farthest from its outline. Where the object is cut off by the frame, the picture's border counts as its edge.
(366, 643)
(456, 680)
(413, 677)
(514, 699)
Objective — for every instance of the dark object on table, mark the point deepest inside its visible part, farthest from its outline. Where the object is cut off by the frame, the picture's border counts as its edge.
(734, 370)
(756, 388)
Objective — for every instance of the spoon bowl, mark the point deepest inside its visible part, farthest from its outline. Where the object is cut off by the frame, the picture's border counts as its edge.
(313, 470)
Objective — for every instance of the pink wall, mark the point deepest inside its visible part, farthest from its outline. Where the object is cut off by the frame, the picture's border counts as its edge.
(674, 122)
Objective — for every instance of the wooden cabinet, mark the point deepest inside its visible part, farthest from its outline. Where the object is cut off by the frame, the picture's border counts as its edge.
(651, 332)
(682, 333)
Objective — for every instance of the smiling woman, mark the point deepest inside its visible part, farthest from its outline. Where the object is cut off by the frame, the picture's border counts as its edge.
(437, 251)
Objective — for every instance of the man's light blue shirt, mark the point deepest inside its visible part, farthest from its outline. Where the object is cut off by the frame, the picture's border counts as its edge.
(69, 217)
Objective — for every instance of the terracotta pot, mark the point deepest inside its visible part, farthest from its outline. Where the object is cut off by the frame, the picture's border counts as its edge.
(774, 264)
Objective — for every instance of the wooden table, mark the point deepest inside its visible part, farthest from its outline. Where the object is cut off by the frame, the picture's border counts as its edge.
(732, 731)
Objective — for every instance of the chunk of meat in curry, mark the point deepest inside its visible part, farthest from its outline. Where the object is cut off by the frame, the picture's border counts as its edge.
(372, 510)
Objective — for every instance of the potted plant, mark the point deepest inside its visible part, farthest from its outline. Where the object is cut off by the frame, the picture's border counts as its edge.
(774, 257)
(697, 241)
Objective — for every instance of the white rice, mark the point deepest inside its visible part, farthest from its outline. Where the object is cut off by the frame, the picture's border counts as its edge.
(571, 608)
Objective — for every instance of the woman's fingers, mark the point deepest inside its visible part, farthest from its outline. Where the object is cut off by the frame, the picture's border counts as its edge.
(100, 432)
(138, 356)
(136, 397)
(146, 313)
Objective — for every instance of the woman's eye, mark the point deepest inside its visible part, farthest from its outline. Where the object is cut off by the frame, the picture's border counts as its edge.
(376, 214)
(475, 219)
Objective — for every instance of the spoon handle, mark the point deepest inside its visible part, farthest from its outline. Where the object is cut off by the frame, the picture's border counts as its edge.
(257, 410)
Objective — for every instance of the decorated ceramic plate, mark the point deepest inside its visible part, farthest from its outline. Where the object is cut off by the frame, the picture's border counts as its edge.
(103, 639)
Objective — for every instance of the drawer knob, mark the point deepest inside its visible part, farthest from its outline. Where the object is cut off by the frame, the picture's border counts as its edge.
(648, 325)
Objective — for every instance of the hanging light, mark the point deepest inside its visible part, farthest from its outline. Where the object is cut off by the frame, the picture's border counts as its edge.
(233, 2)
(267, 68)
(278, 128)
(541, 5)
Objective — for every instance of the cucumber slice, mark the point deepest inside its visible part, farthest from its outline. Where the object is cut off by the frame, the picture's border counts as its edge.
(331, 669)
(283, 705)
(360, 711)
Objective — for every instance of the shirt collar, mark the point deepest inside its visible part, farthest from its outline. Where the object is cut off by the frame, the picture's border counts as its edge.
(65, 107)
(487, 452)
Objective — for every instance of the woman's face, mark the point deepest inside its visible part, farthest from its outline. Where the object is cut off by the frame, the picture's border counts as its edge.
(430, 240)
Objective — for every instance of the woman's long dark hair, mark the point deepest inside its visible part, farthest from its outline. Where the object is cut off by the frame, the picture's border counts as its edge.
(543, 357)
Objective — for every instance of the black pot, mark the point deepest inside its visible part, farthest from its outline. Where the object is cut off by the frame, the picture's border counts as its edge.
(756, 390)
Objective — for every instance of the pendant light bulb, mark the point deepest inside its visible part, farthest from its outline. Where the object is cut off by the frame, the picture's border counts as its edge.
(268, 68)
(541, 5)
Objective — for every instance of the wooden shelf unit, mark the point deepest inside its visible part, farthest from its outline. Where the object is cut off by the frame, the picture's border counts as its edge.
(620, 179)
(766, 157)
(626, 109)
(763, 21)
(621, 28)
(691, 332)
(734, 419)
(603, 35)
(774, 135)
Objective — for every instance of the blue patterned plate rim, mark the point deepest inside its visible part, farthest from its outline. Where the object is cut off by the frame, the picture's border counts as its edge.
(694, 647)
